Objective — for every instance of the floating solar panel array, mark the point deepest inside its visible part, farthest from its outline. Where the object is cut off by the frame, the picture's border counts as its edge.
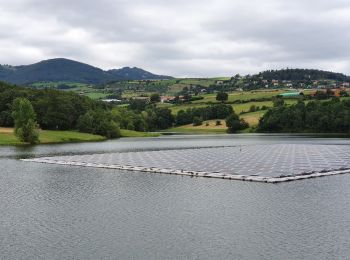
(262, 163)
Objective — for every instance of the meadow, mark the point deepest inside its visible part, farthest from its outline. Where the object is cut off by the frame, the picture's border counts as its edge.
(7, 137)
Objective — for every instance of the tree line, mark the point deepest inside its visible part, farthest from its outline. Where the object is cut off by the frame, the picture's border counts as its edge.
(57, 110)
(316, 116)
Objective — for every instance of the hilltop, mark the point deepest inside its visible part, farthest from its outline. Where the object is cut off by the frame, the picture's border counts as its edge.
(302, 74)
(60, 69)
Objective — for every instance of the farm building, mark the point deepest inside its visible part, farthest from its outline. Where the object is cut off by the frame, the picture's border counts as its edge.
(291, 94)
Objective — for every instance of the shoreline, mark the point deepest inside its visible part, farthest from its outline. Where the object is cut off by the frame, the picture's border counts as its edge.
(50, 137)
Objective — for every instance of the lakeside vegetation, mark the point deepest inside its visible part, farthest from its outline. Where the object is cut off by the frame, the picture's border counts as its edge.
(7, 136)
(144, 106)
(315, 117)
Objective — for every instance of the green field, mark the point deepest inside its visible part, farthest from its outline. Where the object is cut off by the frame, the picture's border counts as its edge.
(238, 108)
(96, 95)
(52, 137)
(253, 118)
(131, 133)
(49, 137)
(195, 130)
(209, 126)
(242, 95)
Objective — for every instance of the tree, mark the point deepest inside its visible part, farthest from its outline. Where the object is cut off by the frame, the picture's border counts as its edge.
(252, 108)
(222, 96)
(197, 121)
(316, 117)
(138, 104)
(234, 124)
(278, 102)
(99, 122)
(155, 98)
(25, 121)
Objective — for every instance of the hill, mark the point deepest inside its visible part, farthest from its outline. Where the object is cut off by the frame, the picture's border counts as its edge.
(134, 73)
(60, 69)
(302, 74)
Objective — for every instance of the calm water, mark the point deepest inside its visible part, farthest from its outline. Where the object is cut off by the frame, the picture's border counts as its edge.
(62, 212)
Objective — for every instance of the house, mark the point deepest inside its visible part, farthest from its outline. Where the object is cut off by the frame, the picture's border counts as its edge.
(165, 99)
(109, 100)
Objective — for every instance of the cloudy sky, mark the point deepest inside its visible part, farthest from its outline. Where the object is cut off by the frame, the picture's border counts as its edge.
(179, 37)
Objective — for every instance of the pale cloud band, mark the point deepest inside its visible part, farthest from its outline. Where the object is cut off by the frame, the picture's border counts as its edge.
(180, 38)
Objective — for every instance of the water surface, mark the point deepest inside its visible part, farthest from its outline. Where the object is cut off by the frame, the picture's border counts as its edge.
(62, 212)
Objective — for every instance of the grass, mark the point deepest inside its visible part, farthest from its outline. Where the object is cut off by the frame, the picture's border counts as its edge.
(239, 95)
(7, 136)
(238, 108)
(9, 139)
(194, 130)
(253, 118)
(48, 136)
(51, 137)
(96, 95)
(130, 133)
(208, 127)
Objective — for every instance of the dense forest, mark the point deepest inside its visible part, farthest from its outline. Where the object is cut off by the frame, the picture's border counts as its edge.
(316, 117)
(302, 74)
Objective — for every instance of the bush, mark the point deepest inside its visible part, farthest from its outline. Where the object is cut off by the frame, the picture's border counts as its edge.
(222, 96)
(155, 97)
(252, 108)
(197, 121)
(235, 124)
(278, 102)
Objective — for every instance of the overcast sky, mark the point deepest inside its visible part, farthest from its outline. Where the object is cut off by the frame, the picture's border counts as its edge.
(179, 37)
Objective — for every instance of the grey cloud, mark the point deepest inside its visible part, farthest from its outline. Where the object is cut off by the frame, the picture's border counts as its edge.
(182, 37)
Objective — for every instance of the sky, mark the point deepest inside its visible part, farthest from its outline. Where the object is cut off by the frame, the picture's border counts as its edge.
(182, 38)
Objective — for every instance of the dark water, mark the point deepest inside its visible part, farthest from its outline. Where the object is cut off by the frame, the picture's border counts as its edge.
(62, 212)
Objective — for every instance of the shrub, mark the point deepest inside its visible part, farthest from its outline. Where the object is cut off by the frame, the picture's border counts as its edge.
(197, 121)
(235, 124)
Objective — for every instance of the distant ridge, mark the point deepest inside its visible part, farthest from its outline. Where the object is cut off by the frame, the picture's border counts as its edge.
(302, 74)
(61, 69)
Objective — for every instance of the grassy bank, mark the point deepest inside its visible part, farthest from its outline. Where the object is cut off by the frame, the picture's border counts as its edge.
(130, 133)
(7, 136)
(208, 127)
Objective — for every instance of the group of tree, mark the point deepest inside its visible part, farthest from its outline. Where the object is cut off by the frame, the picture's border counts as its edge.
(302, 74)
(59, 110)
(294, 77)
(316, 116)
(215, 111)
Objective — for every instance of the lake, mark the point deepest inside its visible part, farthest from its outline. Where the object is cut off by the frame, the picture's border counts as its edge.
(63, 212)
